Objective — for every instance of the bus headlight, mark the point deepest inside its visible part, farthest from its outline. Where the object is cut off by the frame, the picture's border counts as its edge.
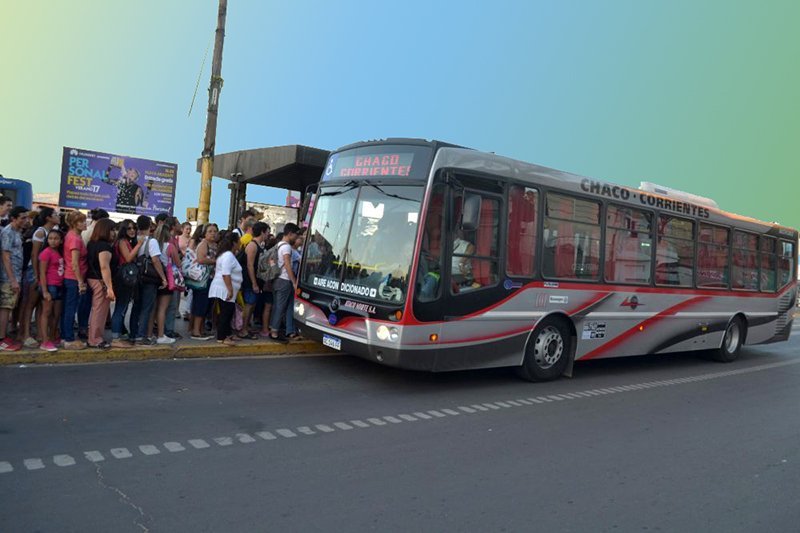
(301, 309)
(385, 333)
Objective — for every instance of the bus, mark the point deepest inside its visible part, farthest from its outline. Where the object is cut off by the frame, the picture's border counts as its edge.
(430, 256)
(20, 192)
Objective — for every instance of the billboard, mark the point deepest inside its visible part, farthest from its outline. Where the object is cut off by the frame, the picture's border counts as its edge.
(116, 183)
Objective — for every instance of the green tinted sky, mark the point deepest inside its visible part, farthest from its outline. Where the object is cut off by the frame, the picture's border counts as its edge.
(699, 96)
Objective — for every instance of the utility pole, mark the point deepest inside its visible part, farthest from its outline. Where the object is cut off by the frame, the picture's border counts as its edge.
(207, 163)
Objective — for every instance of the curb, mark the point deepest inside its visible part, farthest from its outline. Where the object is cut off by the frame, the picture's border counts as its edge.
(208, 349)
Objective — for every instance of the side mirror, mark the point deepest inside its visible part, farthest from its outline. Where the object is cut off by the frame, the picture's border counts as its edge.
(471, 212)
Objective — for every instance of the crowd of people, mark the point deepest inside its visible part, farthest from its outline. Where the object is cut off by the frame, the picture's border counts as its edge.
(66, 283)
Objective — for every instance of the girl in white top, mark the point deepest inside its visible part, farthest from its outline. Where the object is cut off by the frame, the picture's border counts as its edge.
(225, 286)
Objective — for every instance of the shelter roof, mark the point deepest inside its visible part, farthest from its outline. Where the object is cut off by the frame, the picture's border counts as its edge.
(291, 167)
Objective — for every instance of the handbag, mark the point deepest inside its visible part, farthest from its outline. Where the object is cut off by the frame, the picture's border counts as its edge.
(237, 322)
(195, 275)
(175, 281)
(147, 270)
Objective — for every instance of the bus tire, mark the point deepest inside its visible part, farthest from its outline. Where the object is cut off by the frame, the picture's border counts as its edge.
(732, 342)
(547, 352)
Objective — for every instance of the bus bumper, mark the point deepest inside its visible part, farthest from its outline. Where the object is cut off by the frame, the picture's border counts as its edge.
(408, 359)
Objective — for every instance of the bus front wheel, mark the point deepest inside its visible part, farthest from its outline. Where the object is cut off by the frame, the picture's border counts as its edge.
(731, 342)
(548, 351)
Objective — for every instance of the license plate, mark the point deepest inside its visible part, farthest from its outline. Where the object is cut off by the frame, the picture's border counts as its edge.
(331, 342)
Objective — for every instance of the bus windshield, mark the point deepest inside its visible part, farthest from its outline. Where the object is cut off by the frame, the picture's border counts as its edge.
(362, 240)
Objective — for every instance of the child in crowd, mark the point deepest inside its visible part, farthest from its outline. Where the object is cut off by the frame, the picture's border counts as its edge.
(51, 280)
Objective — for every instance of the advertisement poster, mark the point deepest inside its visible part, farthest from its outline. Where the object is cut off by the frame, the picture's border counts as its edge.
(116, 183)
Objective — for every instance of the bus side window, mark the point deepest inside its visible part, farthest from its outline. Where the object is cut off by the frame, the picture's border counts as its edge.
(712, 257)
(429, 271)
(474, 263)
(786, 258)
(767, 264)
(571, 238)
(522, 205)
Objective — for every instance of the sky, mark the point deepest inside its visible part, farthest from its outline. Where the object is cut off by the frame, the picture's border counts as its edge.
(699, 96)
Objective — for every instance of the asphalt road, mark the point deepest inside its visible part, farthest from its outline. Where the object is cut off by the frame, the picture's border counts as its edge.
(671, 443)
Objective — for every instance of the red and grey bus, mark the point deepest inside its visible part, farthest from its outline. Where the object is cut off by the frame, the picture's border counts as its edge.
(430, 256)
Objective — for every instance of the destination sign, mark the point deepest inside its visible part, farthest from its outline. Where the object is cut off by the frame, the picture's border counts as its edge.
(369, 165)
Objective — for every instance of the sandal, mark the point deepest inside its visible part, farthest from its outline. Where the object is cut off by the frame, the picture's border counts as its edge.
(230, 341)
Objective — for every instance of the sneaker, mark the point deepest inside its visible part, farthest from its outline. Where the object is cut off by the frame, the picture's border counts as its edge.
(49, 346)
(174, 335)
(201, 337)
(30, 342)
(165, 340)
(74, 345)
(9, 345)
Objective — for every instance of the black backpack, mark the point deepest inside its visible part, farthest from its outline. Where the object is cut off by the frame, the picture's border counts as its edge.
(128, 275)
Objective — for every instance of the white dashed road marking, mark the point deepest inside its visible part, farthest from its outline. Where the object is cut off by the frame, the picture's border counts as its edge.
(95, 456)
(33, 464)
(149, 449)
(121, 453)
(174, 446)
(244, 438)
(63, 460)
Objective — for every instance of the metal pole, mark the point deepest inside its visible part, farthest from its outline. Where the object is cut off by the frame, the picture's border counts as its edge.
(207, 163)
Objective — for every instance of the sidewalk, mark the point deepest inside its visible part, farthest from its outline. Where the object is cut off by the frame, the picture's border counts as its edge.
(182, 349)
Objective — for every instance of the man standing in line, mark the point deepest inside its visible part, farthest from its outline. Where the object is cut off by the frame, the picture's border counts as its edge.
(247, 215)
(285, 283)
(5, 207)
(11, 272)
(147, 290)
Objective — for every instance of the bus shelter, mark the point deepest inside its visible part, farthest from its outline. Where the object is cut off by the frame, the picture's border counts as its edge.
(293, 167)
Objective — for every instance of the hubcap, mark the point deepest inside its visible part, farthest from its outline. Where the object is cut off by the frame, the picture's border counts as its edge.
(548, 347)
(732, 338)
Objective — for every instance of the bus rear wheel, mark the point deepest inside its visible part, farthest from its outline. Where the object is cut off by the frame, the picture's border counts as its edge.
(548, 351)
(731, 342)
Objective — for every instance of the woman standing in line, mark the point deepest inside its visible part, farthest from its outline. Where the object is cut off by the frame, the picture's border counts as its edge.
(126, 249)
(45, 220)
(225, 286)
(205, 238)
(51, 280)
(75, 267)
(102, 268)
(169, 254)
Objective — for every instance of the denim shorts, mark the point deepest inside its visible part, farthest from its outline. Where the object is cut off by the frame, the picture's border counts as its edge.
(56, 292)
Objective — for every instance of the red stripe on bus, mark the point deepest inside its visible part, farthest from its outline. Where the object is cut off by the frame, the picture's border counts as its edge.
(572, 286)
(622, 337)
(597, 297)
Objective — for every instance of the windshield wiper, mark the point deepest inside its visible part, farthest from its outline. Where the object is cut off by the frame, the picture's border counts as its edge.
(391, 195)
(352, 184)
